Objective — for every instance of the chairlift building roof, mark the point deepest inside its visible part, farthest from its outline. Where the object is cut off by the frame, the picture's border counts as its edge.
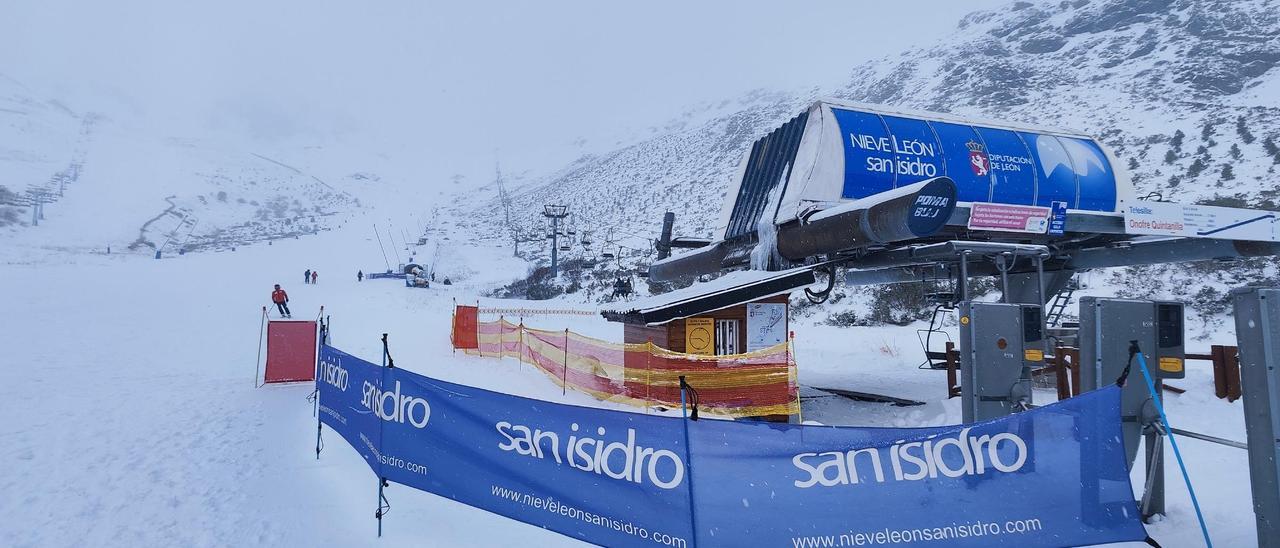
(731, 289)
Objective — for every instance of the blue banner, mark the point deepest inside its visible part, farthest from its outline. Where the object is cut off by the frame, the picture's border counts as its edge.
(882, 152)
(1056, 178)
(348, 388)
(967, 161)
(1053, 476)
(607, 477)
(1048, 477)
(1097, 182)
(868, 154)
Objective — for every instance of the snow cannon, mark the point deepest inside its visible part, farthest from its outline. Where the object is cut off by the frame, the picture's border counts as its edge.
(842, 180)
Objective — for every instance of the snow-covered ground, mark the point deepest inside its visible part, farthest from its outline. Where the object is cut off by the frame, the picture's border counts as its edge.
(131, 417)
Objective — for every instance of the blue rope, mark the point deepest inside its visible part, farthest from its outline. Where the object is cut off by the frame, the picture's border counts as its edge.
(693, 516)
(1164, 419)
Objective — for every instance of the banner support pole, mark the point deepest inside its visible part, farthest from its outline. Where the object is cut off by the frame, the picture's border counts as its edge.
(693, 512)
(321, 334)
(792, 379)
(387, 363)
(257, 365)
(382, 482)
(316, 409)
(648, 375)
(564, 383)
(479, 344)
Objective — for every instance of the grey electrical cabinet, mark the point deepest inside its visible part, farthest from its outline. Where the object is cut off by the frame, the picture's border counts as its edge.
(1258, 334)
(1106, 327)
(999, 342)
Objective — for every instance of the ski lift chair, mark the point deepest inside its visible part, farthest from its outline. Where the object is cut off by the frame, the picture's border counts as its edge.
(944, 302)
(934, 359)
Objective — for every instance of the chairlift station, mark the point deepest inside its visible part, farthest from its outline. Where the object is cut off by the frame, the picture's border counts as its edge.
(877, 195)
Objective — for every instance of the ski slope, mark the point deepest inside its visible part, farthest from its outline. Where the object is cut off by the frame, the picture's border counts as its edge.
(132, 419)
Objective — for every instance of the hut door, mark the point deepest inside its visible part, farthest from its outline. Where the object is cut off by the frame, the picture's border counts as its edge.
(726, 337)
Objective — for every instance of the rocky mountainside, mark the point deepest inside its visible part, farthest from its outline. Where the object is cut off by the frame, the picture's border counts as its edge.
(1184, 92)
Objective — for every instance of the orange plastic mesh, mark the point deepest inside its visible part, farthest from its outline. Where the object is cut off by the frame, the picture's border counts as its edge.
(464, 327)
(754, 384)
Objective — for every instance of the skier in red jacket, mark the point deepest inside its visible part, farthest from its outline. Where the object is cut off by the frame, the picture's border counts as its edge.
(282, 301)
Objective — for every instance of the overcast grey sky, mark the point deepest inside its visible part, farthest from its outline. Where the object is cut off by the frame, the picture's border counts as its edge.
(456, 80)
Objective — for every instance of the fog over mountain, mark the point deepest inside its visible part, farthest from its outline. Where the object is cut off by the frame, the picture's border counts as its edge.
(441, 88)
(256, 122)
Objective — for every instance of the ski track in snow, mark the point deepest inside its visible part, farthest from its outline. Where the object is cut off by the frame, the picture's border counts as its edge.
(132, 420)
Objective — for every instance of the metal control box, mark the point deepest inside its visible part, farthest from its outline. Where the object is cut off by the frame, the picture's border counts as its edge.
(999, 343)
(1107, 325)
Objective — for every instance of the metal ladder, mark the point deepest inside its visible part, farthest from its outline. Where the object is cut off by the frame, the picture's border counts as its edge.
(1060, 302)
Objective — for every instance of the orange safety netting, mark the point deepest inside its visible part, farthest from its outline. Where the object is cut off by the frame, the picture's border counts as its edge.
(754, 384)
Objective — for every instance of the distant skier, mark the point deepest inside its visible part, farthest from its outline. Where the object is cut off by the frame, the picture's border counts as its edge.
(282, 301)
(306, 276)
(359, 275)
(314, 275)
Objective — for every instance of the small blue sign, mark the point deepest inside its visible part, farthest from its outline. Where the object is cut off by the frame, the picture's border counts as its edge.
(1057, 218)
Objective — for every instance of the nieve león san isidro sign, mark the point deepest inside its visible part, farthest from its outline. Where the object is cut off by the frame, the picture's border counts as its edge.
(910, 155)
(998, 165)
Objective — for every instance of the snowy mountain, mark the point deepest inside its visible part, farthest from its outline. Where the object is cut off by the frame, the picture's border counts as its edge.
(142, 188)
(1183, 91)
(42, 146)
